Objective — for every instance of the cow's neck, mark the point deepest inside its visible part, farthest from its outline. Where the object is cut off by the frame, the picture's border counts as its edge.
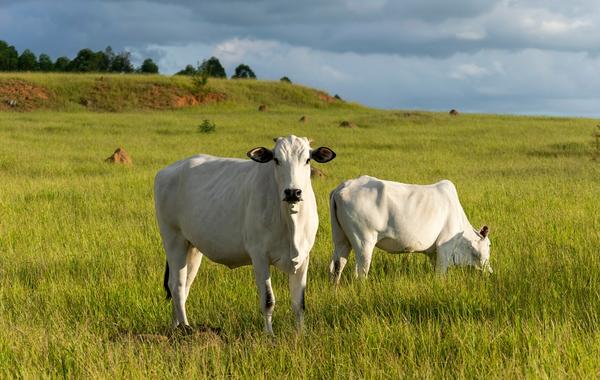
(294, 223)
(296, 227)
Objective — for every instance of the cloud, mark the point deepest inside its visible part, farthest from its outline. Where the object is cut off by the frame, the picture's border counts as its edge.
(469, 70)
(476, 55)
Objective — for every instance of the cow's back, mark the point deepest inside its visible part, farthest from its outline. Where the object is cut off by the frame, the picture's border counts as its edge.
(400, 217)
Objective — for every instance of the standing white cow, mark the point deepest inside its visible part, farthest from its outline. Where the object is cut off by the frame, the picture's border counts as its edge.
(240, 212)
(368, 212)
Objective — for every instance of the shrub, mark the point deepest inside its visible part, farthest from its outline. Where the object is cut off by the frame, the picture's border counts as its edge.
(207, 126)
(200, 79)
(285, 79)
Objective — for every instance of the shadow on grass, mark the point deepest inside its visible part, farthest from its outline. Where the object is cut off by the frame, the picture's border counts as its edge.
(569, 149)
(200, 333)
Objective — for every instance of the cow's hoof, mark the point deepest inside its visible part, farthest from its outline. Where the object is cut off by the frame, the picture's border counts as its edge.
(183, 330)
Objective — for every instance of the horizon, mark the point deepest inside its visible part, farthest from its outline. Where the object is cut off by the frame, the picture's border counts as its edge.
(429, 56)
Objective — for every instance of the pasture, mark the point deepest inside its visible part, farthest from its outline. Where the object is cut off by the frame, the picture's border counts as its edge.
(81, 261)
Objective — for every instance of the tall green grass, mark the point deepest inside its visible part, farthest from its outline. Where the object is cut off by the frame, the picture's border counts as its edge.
(81, 260)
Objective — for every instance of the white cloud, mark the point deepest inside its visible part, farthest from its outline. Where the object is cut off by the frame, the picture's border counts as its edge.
(469, 70)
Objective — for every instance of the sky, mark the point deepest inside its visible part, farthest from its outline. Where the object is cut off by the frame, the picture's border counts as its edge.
(488, 56)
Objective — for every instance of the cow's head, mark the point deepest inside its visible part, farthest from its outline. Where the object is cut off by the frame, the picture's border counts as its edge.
(291, 158)
(481, 250)
(472, 248)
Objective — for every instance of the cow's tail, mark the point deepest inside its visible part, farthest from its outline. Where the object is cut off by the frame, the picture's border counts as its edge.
(341, 243)
(166, 281)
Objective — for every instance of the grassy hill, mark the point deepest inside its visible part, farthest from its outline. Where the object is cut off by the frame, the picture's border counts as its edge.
(81, 261)
(119, 93)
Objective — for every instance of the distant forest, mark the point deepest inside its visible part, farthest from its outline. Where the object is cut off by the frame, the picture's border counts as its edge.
(107, 61)
(85, 61)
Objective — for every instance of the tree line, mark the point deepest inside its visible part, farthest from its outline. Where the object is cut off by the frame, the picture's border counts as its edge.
(107, 60)
(86, 60)
(212, 68)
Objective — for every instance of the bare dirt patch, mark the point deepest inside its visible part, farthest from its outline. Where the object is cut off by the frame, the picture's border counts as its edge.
(325, 97)
(166, 97)
(108, 96)
(20, 95)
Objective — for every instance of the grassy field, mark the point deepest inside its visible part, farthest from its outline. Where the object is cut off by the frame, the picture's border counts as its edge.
(81, 261)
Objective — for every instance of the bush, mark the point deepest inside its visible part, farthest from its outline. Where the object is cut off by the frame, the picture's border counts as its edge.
(207, 126)
(200, 79)
(285, 79)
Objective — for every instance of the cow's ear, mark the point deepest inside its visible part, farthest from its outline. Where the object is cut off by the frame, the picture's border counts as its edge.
(484, 231)
(260, 154)
(322, 154)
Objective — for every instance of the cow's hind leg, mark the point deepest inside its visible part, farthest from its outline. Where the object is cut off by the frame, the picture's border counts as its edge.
(265, 292)
(363, 249)
(177, 248)
(338, 260)
(297, 288)
(193, 261)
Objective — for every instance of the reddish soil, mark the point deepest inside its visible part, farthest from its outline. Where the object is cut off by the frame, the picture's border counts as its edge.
(20, 95)
(166, 97)
(325, 97)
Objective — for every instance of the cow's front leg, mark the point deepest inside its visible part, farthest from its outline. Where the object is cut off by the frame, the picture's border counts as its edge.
(297, 289)
(265, 293)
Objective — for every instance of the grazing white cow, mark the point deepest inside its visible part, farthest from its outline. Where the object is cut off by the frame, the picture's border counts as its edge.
(368, 212)
(240, 212)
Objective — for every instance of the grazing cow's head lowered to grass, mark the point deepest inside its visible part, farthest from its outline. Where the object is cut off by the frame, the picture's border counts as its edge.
(291, 164)
(474, 250)
(482, 250)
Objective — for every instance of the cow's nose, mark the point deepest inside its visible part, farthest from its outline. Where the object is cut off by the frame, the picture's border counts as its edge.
(292, 195)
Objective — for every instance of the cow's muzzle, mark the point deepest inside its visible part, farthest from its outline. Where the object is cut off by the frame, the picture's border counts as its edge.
(292, 195)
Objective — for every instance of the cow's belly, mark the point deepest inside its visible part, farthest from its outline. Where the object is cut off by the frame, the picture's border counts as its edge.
(398, 245)
(218, 246)
(230, 259)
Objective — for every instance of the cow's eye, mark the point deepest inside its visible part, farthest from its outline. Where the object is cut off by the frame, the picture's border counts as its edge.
(307, 161)
(276, 161)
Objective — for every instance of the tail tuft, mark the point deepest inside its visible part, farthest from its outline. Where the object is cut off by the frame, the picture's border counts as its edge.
(166, 281)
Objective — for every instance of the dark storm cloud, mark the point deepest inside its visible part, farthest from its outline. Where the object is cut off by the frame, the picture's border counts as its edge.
(432, 28)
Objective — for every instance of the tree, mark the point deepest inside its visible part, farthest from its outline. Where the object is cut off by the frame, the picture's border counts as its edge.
(121, 63)
(62, 64)
(110, 55)
(189, 70)
(243, 72)
(285, 80)
(101, 61)
(45, 63)
(213, 68)
(83, 62)
(9, 57)
(149, 67)
(27, 61)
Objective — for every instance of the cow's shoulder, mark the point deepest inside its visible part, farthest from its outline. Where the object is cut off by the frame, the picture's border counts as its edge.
(445, 186)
